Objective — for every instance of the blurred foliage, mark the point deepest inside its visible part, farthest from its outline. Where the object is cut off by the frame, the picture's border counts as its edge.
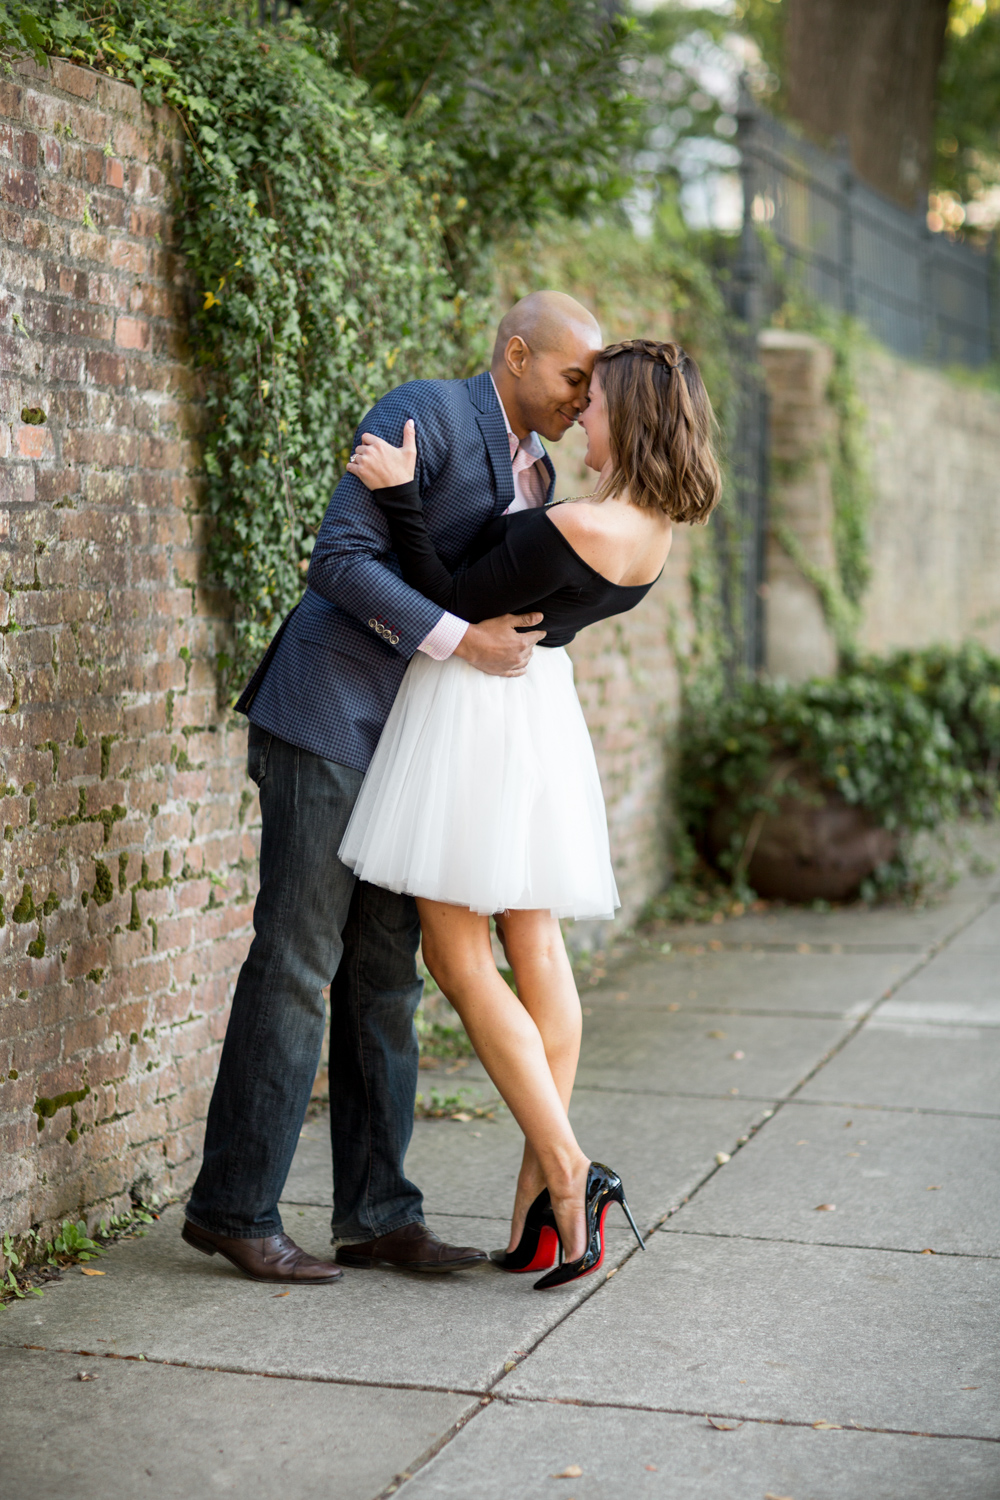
(962, 685)
(967, 131)
(526, 101)
(870, 739)
(913, 737)
(344, 176)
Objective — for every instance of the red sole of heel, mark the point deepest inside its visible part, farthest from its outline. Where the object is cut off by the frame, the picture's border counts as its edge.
(595, 1267)
(547, 1252)
(543, 1258)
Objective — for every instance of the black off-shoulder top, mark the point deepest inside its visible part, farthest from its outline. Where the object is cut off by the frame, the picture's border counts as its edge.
(519, 564)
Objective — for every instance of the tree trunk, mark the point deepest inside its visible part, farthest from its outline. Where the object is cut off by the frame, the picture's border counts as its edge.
(865, 70)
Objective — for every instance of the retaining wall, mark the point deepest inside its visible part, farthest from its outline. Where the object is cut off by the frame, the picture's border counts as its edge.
(932, 449)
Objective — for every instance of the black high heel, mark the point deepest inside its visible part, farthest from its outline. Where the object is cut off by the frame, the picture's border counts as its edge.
(536, 1249)
(604, 1187)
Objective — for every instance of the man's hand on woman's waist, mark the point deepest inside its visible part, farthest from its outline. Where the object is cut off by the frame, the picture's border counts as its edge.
(496, 648)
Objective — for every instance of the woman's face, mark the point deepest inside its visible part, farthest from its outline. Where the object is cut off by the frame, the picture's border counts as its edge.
(594, 421)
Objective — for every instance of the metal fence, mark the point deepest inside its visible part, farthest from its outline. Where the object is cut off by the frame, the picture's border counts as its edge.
(809, 223)
(921, 294)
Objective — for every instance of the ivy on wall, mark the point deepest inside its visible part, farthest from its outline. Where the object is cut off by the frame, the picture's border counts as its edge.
(312, 233)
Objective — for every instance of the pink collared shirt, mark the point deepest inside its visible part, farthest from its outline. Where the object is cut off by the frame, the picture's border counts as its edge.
(530, 489)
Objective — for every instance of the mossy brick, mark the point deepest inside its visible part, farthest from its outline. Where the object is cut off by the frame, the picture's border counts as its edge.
(80, 82)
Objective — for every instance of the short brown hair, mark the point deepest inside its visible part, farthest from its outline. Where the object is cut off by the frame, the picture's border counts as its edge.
(661, 425)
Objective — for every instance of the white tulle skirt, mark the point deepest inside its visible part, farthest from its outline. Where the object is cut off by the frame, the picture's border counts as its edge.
(484, 793)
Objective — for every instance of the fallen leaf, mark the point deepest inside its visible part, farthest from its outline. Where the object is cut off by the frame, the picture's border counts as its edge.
(87, 1375)
(969, 1387)
(854, 1153)
(652, 1468)
(848, 1124)
(826, 1208)
(770, 1495)
(674, 1006)
(612, 1272)
(928, 1252)
(737, 1056)
(572, 1471)
(801, 1143)
(462, 1117)
(723, 1426)
(89, 1271)
(803, 948)
(828, 1427)
(509, 1364)
(936, 1188)
(718, 1035)
(282, 1294)
(621, 995)
(721, 1157)
(42, 1347)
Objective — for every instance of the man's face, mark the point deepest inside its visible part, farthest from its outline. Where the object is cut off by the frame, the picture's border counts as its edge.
(552, 386)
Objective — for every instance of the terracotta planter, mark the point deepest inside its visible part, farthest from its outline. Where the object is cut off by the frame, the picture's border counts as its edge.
(816, 849)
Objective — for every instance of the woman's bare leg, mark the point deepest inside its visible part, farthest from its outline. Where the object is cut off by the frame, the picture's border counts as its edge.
(456, 949)
(533, 943)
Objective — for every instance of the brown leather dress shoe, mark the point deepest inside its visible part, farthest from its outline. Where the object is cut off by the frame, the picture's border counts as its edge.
(412, 1248)
(276, 1257)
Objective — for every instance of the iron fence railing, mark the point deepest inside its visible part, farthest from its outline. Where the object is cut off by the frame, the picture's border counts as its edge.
(922, 294)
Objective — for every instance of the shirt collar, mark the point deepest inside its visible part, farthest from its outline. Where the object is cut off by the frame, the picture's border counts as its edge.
(532, 443)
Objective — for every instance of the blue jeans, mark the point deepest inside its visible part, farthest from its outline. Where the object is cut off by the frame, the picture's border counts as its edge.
(315, 924)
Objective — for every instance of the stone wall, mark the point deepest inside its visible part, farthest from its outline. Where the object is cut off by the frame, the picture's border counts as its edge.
(127, 860)
(932, 446)
(934, 454)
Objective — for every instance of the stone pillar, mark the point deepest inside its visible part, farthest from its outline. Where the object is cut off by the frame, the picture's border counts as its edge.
(797, 369)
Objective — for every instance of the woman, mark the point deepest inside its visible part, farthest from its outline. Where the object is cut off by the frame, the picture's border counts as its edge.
(483, 796)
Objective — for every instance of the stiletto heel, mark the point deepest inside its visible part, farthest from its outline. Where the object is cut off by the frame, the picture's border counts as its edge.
(536, 1249)
(628, 1214)
(604, 1187)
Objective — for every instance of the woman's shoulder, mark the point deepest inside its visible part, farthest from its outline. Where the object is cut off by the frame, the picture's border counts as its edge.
(612, 538)
(594, 534)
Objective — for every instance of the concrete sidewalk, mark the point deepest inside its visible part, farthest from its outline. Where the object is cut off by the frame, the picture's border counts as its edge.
(763, 1346)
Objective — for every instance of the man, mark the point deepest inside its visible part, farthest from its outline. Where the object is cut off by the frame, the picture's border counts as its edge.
(317, 705)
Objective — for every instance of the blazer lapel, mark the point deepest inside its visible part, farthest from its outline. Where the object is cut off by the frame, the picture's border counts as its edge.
(491, 425)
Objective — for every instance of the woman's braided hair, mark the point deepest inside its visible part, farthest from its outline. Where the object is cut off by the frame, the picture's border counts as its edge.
(661, 425)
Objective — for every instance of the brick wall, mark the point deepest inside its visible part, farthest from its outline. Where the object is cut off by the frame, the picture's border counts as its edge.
(127, 857)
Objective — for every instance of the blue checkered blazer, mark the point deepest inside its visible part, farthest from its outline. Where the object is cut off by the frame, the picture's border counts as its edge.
(331, 681)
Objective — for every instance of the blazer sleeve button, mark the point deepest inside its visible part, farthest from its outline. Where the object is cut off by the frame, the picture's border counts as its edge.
(372, 624)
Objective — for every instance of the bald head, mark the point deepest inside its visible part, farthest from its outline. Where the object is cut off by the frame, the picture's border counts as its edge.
(542, 361)
(543, 320)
